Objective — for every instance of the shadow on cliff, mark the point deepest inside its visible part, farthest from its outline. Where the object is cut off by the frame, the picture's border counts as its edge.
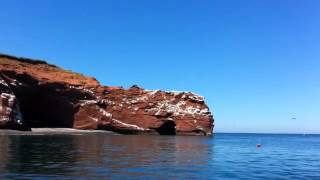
(45, 104)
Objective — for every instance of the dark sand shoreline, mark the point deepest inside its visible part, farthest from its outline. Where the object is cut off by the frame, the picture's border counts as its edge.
(54, 131)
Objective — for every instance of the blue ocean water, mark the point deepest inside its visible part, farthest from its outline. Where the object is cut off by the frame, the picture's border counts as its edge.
(103, 156)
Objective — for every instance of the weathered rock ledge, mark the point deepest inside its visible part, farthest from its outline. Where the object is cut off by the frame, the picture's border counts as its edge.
(35, 94)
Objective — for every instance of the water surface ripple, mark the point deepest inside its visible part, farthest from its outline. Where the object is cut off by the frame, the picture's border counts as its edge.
(103, 156)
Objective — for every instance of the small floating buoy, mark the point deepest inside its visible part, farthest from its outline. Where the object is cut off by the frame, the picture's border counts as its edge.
(259, 145)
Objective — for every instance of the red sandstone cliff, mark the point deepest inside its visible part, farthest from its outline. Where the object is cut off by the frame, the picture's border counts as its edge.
(37, 94)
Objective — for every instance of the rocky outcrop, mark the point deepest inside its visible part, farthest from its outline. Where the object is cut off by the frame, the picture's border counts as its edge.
(37, 94)
(10, 115)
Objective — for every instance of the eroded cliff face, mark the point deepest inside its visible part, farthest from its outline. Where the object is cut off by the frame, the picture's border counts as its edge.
(37, 94)
(10, 114)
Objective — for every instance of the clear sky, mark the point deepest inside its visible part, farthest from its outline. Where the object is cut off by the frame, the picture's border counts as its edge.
(257, 62)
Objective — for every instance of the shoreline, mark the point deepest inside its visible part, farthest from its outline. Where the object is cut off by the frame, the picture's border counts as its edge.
(54, 131)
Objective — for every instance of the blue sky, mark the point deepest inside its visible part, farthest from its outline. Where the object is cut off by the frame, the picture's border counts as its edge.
(256, 62)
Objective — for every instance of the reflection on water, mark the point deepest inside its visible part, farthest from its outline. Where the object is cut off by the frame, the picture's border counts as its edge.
(40, 154)
(4, 152)
(100, 156)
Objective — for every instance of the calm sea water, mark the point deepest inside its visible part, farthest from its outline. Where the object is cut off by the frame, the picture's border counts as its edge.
(102, 156)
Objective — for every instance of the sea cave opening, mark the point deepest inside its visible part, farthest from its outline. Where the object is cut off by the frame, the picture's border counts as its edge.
(167, 128)
(42, 106)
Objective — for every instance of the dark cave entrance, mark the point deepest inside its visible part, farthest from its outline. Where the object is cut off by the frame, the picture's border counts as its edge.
(167, 128)
(42, 107)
